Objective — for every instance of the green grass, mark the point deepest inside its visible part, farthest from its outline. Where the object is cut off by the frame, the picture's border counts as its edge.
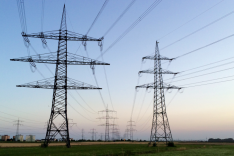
(122, 150)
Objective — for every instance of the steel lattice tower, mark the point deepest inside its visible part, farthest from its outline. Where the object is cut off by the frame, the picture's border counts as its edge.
(17, 129)
(60, 82)
(107, 124)
(160, 130)
(131, 128)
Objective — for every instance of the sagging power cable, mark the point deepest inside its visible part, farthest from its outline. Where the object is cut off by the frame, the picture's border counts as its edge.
(138, 20)
(189, 20)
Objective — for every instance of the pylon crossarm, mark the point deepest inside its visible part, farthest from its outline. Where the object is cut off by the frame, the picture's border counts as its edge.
(56, 35)
(153, 57)
(165, 86)
(151, 71)
(106, 124)
(49, 84)
(51, 58)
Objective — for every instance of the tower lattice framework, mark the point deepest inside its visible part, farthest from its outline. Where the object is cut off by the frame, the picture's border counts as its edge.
(60, 82)
(107, 124)
(160, 130)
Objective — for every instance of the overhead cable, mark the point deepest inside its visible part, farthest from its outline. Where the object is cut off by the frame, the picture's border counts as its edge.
(138, 20)
(107, 83)
(121, 15)
(204, 69)
(198, 30)
(208, 83)
(212, 43)
(207, 80)
(207, 64)
(99, 13)
(189, 20)
(204, 74)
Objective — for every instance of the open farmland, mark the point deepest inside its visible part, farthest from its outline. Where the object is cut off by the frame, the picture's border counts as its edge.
(120, 149)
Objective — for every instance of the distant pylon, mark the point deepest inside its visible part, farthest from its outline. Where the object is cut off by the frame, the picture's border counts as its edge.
(107, 124)
(70, 124)
(131, 128)
(82, 131)
(93, 132)
(17, 129)
(101, 136)
(160, 130)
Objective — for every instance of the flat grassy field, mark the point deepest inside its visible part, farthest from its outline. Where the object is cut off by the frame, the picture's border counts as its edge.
(123, 150)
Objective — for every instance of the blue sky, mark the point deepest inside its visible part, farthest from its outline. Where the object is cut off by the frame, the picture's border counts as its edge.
(197, 113)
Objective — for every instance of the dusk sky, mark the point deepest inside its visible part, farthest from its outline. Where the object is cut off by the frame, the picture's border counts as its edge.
(201, 110)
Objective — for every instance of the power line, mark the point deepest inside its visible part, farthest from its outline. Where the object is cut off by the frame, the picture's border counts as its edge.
(80, 104)
(20, 117)
(146, 109)
(172, 99)
(99, 91)
(121, 15)
(84, 101)
(207, 64)
(135, 93)
(107, 83)
(141, 106)
(99, 13)
(205, 46)
(138, 20)
(209, 83)
(208, 80)
(205, 69)
(198, 30)
(52, 74)
(190, 20)
(205, 74)
(79, 113)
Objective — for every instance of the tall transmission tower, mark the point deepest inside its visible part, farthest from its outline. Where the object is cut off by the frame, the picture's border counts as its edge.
(115, 131)
(60, 83)
(70, 124)
(107, 124)
(101, 136)
(82, 132)
(160, 130)
(93, 132)
(17, 129)
(131, 128)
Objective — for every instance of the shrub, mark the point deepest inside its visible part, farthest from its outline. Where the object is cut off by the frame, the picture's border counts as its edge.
(170, 144)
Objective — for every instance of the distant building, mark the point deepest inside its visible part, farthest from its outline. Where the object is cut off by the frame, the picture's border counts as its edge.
(221, 140)
(30, 138)
(5, 137)
(19, 138)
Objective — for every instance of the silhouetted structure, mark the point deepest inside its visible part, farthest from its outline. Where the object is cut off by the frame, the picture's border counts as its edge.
(131, 129)
(107, 124)
(93, 132)
(17, 136)
(60, 82)
(160, 130)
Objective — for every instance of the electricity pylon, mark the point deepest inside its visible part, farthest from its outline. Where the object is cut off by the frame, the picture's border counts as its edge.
(107, 124)
(160, 130)
(131, 128)
(60, 82)
(82, 131)
(17, 129)
(93, 132)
